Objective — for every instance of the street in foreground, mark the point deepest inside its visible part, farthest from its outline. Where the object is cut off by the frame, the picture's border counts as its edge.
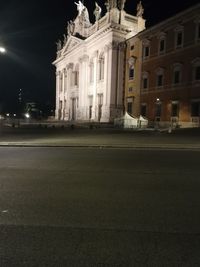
(99, 207)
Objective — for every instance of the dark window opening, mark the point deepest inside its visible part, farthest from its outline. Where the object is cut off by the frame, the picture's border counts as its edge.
(175, 110)
(195, 109)
(197, 73)
(144, 110)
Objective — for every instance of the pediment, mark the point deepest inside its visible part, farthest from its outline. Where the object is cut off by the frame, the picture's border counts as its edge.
(71, 44)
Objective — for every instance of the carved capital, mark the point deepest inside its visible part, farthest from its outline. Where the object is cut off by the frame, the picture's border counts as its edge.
(84, 58)
(70, 66)
(114, 45)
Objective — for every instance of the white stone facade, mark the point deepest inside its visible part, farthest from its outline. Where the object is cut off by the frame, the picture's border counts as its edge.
(90, 64)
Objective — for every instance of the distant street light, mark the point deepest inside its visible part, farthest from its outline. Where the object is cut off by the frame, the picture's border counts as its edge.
(2, 50)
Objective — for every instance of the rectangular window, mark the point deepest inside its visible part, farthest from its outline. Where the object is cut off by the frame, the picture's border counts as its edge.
(179, 39)
(197, 73)
(132, 47)
(144, 110)
(146, 51)
(130, 108)
(130, 105)
(175, 109)
(145, 83)
(130, 89)
(158, 110)
(177, 76)
(195, 109)
(160, 80)
(162, 46)
(131, 73)
(198, 31)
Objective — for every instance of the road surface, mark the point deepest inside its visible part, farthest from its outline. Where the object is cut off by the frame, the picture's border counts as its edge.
(99, 207)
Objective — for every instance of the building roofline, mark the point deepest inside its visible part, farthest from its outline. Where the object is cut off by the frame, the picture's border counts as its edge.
(176, 16)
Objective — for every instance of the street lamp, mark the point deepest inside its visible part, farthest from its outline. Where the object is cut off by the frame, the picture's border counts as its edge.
(2, 50)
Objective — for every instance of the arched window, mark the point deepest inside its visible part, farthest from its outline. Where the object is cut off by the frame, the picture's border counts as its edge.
(131, 63)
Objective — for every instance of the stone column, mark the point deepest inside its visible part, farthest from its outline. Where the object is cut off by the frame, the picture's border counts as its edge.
(110, 82)
(57, 94)
(69, 77)
(95, 99)
(83, 87)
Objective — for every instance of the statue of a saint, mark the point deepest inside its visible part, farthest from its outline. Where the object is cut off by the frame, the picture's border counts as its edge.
(70, 27)
(65, 39)
(80, 7)
(97, 12)
(59, 45)
(107, 4)
(140, 9)
(121, 4)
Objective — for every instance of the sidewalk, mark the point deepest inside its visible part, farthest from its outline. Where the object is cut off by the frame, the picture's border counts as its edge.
(104, 138)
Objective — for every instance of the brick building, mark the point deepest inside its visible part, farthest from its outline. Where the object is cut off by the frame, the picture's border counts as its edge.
(166, 60)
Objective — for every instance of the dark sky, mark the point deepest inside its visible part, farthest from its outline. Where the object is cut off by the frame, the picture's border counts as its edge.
(29, 30)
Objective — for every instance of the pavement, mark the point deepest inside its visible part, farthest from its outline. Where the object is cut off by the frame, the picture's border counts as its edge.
(100, 137)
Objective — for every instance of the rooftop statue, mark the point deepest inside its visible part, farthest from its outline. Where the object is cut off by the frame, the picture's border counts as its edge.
(80, 7)
(140, 9)
(83, 14)
(97, 12)
(59, 45)
(121, 4)
(70, 27)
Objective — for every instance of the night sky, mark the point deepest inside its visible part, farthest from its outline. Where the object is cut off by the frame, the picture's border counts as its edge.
(29, 30)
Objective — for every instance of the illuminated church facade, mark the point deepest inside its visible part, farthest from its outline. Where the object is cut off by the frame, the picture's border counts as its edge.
(90, 72)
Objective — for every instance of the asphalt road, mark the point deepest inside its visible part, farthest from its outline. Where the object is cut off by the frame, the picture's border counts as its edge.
(99, 207)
